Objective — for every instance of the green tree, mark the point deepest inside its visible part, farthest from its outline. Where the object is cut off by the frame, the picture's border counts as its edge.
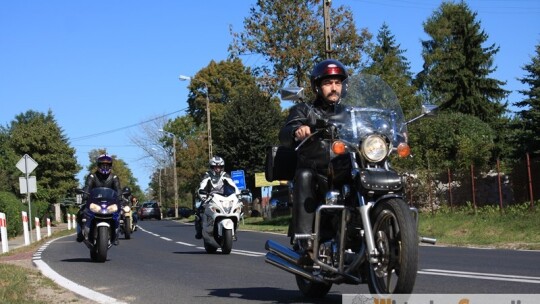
(388, 61)
(452, 140)
(457, 66)
(251, 122)
(289, 36)
(528, 128)
(39, 136)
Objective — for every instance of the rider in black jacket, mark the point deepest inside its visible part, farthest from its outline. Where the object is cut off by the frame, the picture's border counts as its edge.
(329, 83)
(101, 178)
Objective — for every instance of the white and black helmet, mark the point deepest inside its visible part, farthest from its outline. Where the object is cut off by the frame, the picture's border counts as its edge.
(216, 161)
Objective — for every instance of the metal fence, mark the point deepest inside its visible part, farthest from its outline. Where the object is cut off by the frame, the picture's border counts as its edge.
(429, 190)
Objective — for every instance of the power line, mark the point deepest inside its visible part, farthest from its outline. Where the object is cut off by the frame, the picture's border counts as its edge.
(123, 128)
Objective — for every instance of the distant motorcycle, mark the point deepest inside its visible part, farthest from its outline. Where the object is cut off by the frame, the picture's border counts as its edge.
(364, 229)
(100, 217)
(127, 226)
(220, 219)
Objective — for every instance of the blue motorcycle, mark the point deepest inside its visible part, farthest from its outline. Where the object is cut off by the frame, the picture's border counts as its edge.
(100, 221)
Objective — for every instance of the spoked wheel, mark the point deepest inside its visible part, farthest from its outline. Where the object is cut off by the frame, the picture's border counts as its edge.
(312, 289)
(396, 240)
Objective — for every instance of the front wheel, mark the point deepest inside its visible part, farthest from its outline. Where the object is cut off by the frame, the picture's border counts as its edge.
(396, 240)
(127, 228)
(102, 245)
(227, 240)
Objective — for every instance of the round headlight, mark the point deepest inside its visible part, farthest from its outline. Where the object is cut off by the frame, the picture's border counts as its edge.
(374, 148)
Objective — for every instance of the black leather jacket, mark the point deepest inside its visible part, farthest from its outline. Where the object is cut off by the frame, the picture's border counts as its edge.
(314, 153)
(94, 180)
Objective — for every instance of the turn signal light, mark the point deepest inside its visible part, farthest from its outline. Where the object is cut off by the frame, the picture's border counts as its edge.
(403, 150)
(339, 147)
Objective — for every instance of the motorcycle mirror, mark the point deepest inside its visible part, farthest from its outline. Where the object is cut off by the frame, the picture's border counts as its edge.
(429, 109)
(292, 93)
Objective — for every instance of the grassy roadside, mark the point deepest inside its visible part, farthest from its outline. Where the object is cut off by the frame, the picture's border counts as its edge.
(22, 283)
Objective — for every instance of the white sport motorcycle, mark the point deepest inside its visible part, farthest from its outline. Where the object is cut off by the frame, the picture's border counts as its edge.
(220, 219)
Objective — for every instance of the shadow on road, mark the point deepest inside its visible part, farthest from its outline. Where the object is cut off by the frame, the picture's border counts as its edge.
(271, 295)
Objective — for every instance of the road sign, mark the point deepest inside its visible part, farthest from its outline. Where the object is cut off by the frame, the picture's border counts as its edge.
(239, 179)
(32, 185)
(26, 164)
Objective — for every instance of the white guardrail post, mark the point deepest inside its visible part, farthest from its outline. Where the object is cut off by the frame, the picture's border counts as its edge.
(69, 221)
(49, 227)
(25, 228)
(3, 232)
(38, 228)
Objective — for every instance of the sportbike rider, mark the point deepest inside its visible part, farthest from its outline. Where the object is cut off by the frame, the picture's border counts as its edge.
(329, 83)
(214, 181)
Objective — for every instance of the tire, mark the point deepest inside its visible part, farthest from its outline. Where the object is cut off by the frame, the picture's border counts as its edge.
(396, 239)
(127, 228)
(312, 289)
(227, 241)
(102, 244)
(209, 248)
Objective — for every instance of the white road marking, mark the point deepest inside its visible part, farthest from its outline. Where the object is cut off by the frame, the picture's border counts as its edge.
(480, 275)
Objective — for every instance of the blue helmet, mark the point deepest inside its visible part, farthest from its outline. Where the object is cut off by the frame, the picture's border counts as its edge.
(104, 163)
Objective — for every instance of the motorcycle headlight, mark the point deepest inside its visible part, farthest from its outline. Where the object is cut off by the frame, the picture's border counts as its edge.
(95, 208)
(112, 208)
(374, 148)
(126, 209)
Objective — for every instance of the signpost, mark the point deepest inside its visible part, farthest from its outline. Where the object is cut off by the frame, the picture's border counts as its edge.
(239, 179)
(27, 184)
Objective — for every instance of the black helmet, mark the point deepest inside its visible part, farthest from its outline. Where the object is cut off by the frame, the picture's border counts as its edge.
(328, 68)
(126, 191)
(104, 163)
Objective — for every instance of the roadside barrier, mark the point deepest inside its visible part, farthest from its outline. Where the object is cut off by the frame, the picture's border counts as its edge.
(25, 228)
(38, 228)
(49, 233)
(3, 232)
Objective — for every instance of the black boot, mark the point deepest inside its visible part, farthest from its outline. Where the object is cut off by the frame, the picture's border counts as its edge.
(80, 236)
(198, 228)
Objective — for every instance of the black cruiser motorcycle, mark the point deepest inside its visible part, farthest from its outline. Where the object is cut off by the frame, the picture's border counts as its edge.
(364, 230)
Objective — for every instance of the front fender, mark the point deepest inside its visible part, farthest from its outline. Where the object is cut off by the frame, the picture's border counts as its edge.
(225, 224)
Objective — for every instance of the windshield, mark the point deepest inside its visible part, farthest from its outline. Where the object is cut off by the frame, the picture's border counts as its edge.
(370, 107)
(102, 194)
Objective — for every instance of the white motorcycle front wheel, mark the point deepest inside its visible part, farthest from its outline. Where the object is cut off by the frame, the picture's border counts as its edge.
(227, 241)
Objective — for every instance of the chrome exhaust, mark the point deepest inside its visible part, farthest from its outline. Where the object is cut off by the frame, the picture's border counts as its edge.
(277, 261)
(286, 259)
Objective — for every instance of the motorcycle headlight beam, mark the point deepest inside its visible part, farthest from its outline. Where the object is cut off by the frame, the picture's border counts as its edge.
(374, 148)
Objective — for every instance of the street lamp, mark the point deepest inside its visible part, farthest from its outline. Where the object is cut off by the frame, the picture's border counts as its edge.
(174, 172)
(208, 124)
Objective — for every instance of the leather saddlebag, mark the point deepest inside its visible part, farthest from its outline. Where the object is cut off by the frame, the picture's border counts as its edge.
(280, 163)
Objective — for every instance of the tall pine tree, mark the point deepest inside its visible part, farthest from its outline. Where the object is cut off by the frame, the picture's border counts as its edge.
(529, 131)
(457, 65)
(387, 60)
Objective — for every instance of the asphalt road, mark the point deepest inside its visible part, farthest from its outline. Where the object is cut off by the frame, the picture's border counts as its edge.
(164, 263)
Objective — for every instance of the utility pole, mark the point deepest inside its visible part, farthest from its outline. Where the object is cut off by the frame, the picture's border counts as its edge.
(327, 28)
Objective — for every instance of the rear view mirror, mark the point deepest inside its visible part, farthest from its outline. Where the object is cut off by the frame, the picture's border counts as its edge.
(292, 94)
(429, 109)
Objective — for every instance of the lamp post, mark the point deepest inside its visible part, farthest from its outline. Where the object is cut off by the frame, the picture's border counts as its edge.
(174, 172)
(208, 124)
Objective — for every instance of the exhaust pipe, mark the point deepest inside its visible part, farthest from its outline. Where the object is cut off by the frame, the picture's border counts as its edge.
(427, 240)
(286, 259)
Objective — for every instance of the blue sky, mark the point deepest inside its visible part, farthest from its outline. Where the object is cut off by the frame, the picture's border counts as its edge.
(105, 67)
